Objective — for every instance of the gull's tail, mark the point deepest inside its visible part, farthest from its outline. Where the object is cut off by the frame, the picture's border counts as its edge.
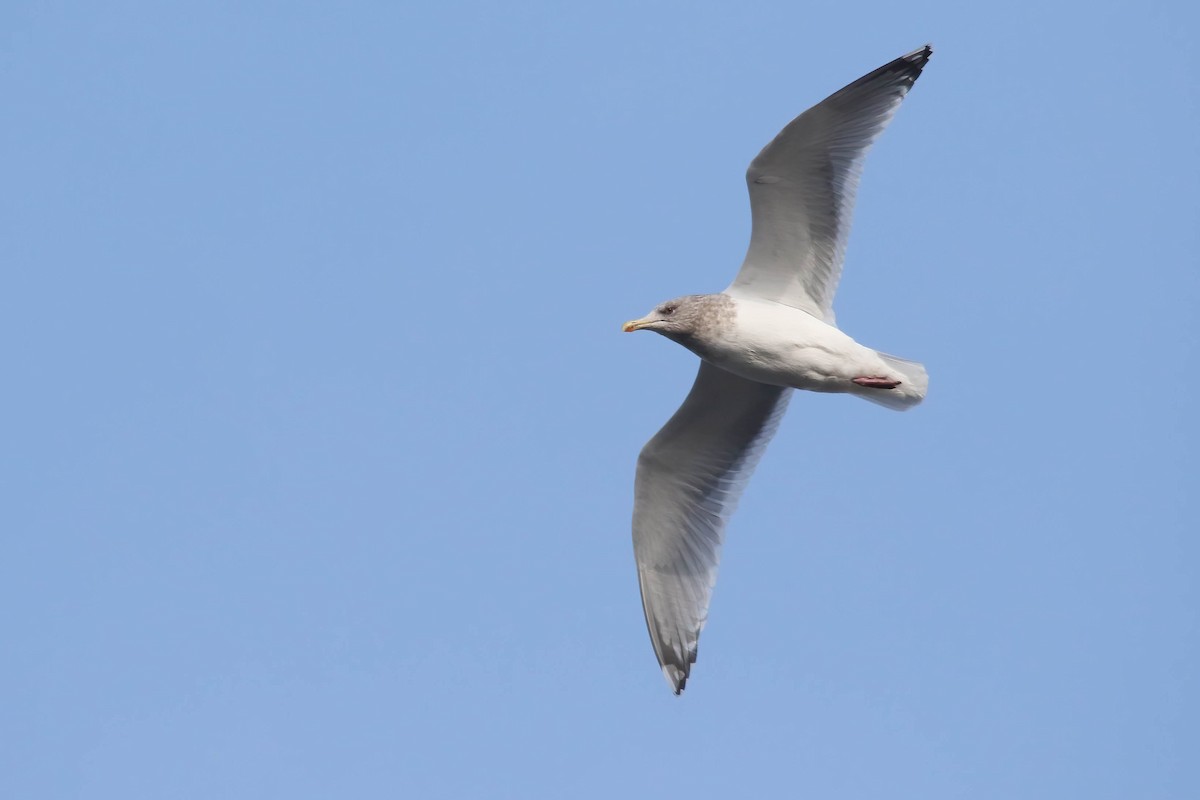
(911, 391)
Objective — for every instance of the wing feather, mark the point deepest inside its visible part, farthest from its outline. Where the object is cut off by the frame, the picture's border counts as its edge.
(802, 188)
(689, 479)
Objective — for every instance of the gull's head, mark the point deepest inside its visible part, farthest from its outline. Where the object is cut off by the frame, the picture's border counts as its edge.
(679, 317)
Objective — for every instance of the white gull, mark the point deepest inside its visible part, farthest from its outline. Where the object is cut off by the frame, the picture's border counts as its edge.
(770, 331)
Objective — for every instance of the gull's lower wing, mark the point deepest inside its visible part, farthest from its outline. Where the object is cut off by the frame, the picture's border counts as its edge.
(689, 479)
(802, 188)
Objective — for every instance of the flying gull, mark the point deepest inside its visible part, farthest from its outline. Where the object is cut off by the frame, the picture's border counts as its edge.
(772, 330)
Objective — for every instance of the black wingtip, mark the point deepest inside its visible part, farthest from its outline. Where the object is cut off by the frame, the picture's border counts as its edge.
(900, 72)
(915, 61)
(677, 671)
(920, 56)
(907, 67)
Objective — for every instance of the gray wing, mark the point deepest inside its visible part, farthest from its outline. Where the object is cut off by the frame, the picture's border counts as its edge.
(689, 478)
(802, 188)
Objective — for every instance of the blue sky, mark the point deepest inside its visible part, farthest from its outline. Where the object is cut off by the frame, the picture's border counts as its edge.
(317, 471)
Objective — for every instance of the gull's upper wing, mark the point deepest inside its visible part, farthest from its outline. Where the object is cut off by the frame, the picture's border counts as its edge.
(802, 188)
(689, 478)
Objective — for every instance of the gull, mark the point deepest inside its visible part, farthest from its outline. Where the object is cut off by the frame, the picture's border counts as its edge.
(772, 330)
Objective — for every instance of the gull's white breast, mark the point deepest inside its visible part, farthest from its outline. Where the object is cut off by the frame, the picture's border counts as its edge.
(779, 345)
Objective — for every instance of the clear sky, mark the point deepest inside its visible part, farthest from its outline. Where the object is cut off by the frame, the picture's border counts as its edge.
(319, 427)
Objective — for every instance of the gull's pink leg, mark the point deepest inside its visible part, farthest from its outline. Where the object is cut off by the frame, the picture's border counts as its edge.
(876, 383)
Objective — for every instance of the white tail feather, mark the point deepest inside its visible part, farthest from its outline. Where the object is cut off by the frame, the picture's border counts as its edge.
(911, 391)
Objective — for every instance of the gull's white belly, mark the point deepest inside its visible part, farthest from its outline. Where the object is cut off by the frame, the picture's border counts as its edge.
(784, 346)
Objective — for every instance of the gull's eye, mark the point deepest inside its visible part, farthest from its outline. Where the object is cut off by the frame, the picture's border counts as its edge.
(668, 310)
